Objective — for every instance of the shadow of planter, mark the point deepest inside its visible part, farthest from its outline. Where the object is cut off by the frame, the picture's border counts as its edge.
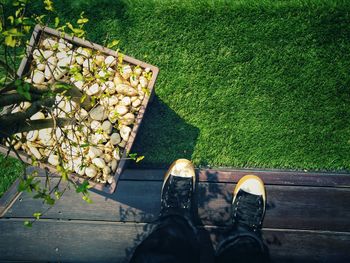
(163, 137)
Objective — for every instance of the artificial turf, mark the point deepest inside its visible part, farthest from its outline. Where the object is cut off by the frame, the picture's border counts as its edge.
(241, 83)
(10, 169)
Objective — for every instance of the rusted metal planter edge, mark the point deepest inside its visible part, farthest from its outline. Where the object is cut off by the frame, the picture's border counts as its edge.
(24, 67)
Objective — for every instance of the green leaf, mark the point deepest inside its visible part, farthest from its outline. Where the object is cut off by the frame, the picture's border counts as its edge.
(28, 223)
(49, 200)
(48, 5)
(61, 85)
(13, 32)
(57, 21)
(26, 29)
(113, 43)
(63, 172)
(37, 215)
(18, 11)
(22, 186)
(140, 158)
(84, 145)
(58, 194)
(82, 21)
(133, 156)
(12, 19)
(93, 101)
(87, 199)
(10, 41)
(83, 187)
(78, 76)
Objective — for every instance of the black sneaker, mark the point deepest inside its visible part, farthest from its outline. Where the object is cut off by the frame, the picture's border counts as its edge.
(249, 202)
(178, 188)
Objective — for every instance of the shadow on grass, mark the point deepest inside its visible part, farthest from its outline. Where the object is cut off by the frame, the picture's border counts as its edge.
(163, 137)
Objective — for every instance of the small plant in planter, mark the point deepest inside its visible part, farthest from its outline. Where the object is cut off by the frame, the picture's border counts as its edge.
(72, 104)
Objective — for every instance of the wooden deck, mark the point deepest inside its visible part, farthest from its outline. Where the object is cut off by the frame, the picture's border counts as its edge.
(307, 218)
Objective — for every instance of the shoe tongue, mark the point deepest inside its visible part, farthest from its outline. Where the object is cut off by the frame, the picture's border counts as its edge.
(249, 212)
(181, 190)
(182, 184)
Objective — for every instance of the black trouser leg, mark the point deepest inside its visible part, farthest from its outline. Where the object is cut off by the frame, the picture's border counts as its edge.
(173, 240)
(242, 245)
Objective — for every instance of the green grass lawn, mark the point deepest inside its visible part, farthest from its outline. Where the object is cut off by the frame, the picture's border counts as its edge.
(10, 169)
(241, 84)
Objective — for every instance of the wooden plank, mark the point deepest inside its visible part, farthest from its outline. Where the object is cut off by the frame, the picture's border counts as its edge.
(270, 177)
(77, 241)
(273, 177)
(289, 245)
(299, 207)
(128, 203)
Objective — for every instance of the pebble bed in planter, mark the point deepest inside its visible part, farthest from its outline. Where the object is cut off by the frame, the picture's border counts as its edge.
(93, 147)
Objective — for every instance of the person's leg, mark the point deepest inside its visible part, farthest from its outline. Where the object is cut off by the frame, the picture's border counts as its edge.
(174, 239)
(244, 241)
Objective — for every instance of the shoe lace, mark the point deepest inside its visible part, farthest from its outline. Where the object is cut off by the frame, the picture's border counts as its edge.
(248, 210)
(179, 193)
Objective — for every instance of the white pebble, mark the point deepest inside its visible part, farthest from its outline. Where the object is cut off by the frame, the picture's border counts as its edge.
(110, 61)
(95, 125)
(79, 84)
(114, 164)
(113, 116)
(32, 135)
(125, 132)
(79, 60)
(126, 72)
(128, 119)
(61, 55)
(90, 171)
(47, 54)
(38, 77)
(115, 139)
(143, 82)
(110, 87)
(45, 135)
(53, 160)
(106, 170)
(40, 66)
(52, 61)
(137, 71)
(35, 152)
(99, 162)
(107, 127)
(99, 113)
(136, 103)
(126, 101)
(121, 110)
(94, 152)
(38, 116)
(49, 43)
(116, 154)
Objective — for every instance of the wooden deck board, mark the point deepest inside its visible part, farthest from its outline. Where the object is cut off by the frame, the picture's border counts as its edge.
(303, 222)
(139, 201)
(91, 241)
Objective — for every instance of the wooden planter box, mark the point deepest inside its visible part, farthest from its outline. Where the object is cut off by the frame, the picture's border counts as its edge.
(25, 67)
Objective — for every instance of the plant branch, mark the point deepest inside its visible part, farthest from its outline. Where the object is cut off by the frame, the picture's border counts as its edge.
(19, 126)
(9, 99)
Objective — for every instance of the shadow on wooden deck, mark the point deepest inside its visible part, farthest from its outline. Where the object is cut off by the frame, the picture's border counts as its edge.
(307, 218)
